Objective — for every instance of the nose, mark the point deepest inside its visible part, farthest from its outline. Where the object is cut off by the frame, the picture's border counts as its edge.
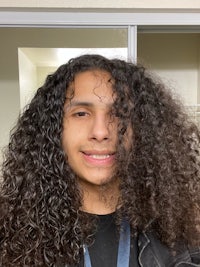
(100, 129)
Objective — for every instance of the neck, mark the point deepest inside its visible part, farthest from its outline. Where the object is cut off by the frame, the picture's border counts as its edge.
(100, 199)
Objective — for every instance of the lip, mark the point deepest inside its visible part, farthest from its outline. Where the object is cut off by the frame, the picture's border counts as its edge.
(99, 158)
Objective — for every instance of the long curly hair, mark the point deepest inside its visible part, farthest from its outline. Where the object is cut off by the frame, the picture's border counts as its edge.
(40, 219)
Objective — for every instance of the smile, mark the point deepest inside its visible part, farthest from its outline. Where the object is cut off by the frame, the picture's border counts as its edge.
(99, 158)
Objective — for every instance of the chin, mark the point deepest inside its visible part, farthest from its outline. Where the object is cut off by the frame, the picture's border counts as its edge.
(103, 181)
(96, 180)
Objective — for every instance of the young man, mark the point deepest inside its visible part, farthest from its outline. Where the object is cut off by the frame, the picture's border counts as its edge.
(101, 170)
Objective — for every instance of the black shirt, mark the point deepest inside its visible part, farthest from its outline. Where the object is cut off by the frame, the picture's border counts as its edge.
(103, 252)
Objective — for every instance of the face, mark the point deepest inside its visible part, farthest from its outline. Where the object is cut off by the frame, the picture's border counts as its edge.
(89, 129)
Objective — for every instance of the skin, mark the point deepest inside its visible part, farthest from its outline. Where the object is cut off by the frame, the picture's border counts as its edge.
(89, 139)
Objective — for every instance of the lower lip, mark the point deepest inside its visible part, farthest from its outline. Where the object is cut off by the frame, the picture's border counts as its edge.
(99, 162)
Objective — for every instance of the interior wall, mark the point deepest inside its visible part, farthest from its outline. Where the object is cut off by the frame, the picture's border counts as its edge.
(42, 73)
(175, 58)
(102, 4)
(9, 86)
(27, 78)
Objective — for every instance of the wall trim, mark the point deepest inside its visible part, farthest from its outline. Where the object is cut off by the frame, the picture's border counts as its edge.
(84, 19)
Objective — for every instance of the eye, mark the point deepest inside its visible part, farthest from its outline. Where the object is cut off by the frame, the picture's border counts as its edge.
(80, 114)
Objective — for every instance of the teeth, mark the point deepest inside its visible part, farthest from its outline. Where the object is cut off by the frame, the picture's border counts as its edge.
(100, 156)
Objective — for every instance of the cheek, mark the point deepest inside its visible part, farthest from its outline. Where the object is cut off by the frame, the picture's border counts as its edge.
(71, 140)
(69, 150)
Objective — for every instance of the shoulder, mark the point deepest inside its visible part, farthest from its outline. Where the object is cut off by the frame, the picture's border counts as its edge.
(152, 252)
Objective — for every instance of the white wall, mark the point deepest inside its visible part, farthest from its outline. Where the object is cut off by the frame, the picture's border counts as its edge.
(27, 78)
(9, 87)
(174, 57)
(103, 4)
(42, 73)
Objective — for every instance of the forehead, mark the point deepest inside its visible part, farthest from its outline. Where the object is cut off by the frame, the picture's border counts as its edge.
(92, 83)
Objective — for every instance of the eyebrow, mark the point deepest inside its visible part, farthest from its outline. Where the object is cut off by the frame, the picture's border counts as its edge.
(83, 104)
(78, 103)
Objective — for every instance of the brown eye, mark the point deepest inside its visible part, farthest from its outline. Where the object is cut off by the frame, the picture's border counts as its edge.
(80, 114)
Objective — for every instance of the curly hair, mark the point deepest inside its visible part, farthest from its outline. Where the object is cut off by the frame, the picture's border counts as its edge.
(40, 219)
